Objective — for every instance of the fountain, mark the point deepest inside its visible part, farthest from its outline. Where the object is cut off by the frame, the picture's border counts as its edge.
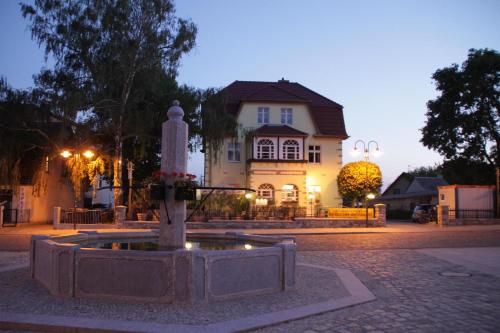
(159, 266)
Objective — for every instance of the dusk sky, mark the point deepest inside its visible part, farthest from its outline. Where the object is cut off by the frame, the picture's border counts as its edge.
(375, 58)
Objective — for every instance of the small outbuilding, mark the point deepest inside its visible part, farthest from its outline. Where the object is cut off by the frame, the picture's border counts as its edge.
(467, 197)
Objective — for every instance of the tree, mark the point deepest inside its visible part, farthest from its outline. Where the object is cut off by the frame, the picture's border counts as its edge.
(429, 171)
(26, 133)
(357, 179)
(101, 48)
(463, 122)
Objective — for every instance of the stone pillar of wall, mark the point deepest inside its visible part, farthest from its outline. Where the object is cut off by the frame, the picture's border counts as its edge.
(442, 215)
(56, 222)
(1, 216)
(380, 214)
(174, 156)
(120, 214)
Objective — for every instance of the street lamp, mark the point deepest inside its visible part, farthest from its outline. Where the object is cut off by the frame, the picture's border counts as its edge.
(366, 149)
(366, 155)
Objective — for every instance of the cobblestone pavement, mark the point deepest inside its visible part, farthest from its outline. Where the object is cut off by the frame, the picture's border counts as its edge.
(414, 240)
(411, 294)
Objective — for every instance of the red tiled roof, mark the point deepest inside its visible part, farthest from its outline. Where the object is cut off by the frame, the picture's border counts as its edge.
(279, 130)
(327, 115)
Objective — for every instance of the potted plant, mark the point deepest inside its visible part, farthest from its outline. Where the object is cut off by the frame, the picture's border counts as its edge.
(185, 187)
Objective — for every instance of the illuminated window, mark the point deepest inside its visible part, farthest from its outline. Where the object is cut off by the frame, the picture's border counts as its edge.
(314, 154)
(289, 193)
(291, 150)
(265, 149)
(265, 191)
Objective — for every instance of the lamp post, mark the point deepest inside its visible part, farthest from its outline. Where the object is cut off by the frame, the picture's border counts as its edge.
(366, 155)
(370, 196)
(76, 155)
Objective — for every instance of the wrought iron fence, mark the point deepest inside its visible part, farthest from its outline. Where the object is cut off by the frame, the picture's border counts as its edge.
(471, 214)
(86, 216)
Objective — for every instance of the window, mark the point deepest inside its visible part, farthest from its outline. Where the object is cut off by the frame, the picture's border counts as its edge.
(289, 193)
(314, 154)
(263, 115)
(233, 152)
(291, 150)
(266, 191)
(286, 116)
(265, 149)
(442, 196)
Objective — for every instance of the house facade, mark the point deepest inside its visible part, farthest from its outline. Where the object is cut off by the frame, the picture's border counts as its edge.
(289, 147)
(407, 191)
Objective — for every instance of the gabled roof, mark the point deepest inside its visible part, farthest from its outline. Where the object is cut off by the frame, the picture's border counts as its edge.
(419, 186)
(279, 130)
(326, 114)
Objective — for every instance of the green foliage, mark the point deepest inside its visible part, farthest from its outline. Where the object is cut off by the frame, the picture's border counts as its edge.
(357, 179)
(217, 123)
(463, 122)
(115, 62)
(226, 202)
(427, 171)
(26, 133)
(468, 172)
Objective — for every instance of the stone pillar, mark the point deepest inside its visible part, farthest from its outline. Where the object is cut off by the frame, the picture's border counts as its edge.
(1, 216)
(120, 214)
(174, 155)
(380, 216)
(56, 222)
(442, 215)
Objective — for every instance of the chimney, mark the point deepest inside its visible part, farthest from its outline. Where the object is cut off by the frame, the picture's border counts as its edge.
(283, 80)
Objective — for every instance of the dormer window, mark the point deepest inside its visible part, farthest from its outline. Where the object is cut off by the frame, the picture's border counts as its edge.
(287, 116)
(263, 115)
(265, 149)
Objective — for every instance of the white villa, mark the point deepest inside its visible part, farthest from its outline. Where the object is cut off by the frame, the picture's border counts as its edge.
(290, 148)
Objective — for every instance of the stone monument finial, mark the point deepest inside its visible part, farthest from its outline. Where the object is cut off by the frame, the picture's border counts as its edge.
(175, 112)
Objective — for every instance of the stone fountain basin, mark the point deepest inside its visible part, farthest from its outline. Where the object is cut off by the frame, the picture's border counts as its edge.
(67, 268)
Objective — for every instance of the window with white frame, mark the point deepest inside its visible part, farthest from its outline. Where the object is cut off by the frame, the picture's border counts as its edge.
(314, 154)
(233, 152)
(263, 115)
(289, 193)
(290, 150)
(265, 149)
(287, 116)
(266, 191)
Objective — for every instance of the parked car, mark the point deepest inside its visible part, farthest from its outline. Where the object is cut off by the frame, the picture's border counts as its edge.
(424, 213)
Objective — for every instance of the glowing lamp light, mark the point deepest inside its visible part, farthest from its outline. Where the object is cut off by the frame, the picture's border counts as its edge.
(88, 154)
(377, 153)
(355, 152)
(65, 153)
(371, 196)
(248, 247)
(248, 195)
(189, 245)
(261, 202)
(311, 196)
